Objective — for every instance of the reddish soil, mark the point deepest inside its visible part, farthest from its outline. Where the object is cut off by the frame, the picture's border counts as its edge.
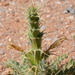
(14, 26)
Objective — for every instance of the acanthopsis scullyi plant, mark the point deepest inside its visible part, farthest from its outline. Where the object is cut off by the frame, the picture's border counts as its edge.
(34, 61)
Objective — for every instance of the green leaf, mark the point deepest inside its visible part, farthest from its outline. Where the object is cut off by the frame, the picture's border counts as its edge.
(54, 66)
(70, 64)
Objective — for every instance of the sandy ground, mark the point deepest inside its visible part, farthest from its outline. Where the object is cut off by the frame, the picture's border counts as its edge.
(58, 19)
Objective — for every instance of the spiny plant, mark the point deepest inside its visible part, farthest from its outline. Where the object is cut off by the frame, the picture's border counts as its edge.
(34, 60)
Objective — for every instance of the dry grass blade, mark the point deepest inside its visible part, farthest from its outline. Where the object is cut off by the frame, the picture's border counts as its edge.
(57, 43)
(12, 45)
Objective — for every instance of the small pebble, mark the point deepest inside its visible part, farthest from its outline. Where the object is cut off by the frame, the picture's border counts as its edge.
(43, 27)
(58, 2)
(10, 9)
(17, 20)
(48, 39)
(70, 10)
(73, 57)
(42, 1)
(55, 25)
(71, 5)
(21, 38)
(71, 18)
(48, 16)
(65, 12)
(1, 44)
(9, 39)
(13, 12)
(12, 3)
(2, 52)
(67, 26)
(3, 9)
(61, 33)
(1, 25)
(73, 28)
(65, 22)
(66, 2)
(2, 19)
(5, 4)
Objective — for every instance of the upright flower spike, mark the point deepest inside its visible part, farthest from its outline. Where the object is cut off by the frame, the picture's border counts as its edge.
(34, 33)
(33, 17)
(35, 36)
